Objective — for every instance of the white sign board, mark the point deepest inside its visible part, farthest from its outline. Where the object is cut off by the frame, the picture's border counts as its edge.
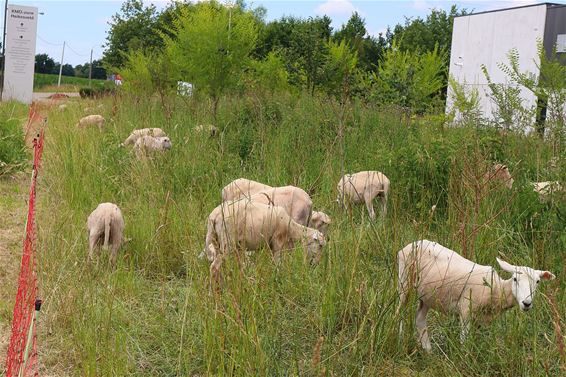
(21, 30)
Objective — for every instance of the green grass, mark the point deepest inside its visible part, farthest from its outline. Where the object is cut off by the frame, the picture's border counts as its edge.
(45, 81)
(12, 149)
(153, 315)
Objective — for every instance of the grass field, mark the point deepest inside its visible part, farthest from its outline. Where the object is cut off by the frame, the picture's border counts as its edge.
(48, 83)
(153, 314)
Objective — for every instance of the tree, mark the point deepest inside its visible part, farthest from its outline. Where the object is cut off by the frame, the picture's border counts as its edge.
(68, 70)
(135, 27)
(424, 35)
(44, 63)
(211, 46)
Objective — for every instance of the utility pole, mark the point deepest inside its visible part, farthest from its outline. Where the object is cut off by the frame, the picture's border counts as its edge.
(3, 56)
(61, 65)
(90, 70)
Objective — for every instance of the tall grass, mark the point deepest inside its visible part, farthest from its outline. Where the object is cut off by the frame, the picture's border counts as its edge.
(153, 314)
(13, 153)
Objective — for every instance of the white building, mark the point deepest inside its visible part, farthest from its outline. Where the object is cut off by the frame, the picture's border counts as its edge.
(485, 38)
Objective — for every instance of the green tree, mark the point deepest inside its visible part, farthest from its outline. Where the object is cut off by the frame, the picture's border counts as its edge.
(211, 46)
(339, 68)
(135, 27)
(270, 73)
(44, 63)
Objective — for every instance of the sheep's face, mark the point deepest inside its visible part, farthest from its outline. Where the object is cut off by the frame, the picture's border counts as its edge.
(525, 281)
(320, 221)
(165, 143)
(315, 243)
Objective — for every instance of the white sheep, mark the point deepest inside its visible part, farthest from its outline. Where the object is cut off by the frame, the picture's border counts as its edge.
(364, 187)
(499, 173)
(136, 134)
(320, 221)
(92, 120)
(546, 189)
(447, 282)
(207, 129)
(147, 144)
(242, 187)
(105, 226)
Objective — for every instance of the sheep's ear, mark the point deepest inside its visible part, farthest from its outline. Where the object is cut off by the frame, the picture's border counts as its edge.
(315, 236)
(546, 275)
(506, 266)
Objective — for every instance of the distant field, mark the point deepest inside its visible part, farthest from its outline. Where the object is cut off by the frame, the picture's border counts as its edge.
(45, 81)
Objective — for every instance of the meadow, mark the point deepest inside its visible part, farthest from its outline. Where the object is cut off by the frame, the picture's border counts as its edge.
(45, 82)
(153, 313)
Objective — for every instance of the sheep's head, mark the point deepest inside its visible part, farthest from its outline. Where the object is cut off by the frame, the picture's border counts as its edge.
(320, 221)
(165, 143)
(524, 283)
(315, 242)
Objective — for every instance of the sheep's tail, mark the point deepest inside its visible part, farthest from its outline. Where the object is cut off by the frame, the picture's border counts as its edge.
(106, 231)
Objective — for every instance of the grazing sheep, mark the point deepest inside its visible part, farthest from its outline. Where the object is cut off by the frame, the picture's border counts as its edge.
(136, 134)
(320, 221)
(105, 225)
(146, 144)
(242, 187)
(63, 107)
(546, 189)
(207, 128)
(294, 200)
(247, 225)
(447, 282)
(499, 173)
(364, 187)
(92, 120)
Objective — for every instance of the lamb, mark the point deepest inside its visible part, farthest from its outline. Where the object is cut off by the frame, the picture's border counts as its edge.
(499, 173)
(136, 134)
(447, 282)
(546, 189)
(206, 128)
(249, 226)
(242, 187)
(320, 221)
(294, 200)
(105, 224)
(92, 120)
(146, 144)
(364, 186)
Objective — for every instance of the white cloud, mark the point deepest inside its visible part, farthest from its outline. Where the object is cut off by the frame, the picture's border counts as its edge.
(336, 8)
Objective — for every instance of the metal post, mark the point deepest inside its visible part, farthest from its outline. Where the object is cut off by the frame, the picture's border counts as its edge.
(90, 70)
(2, 63)
(61, 65)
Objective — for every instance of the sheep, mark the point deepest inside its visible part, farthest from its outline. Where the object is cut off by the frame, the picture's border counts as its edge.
(320, 221)
(364, 186)
(294, 200)
(92, 120)
(146, 144)
(447, 282)
(242, 187)
(249, 226)
(499, 173)
(105, 224)
(206, 128)
(546, 189)
(136, 134)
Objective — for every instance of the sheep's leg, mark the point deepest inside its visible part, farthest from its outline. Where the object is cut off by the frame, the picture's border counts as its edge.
(422, 326)
(369, 205)
(464, 321)
(92, 241)
(215, 274)
(383, 199)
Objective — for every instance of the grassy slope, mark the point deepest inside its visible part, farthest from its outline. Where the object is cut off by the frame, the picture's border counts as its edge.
(153, 315)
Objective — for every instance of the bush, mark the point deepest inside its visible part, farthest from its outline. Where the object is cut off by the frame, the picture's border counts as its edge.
(101, 90)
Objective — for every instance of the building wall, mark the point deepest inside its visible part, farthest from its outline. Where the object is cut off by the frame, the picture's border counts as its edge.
(486, 38)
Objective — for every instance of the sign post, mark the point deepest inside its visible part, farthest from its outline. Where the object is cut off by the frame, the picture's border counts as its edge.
(19, 59)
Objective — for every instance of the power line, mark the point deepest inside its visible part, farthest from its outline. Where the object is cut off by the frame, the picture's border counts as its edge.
(49, 43)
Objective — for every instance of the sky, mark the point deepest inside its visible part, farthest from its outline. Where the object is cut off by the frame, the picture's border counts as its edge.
(83, 24)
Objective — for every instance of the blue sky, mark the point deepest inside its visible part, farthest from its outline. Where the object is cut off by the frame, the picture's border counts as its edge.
(83, 23)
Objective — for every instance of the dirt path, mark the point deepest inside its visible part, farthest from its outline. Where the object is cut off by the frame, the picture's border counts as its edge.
(13, 208)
